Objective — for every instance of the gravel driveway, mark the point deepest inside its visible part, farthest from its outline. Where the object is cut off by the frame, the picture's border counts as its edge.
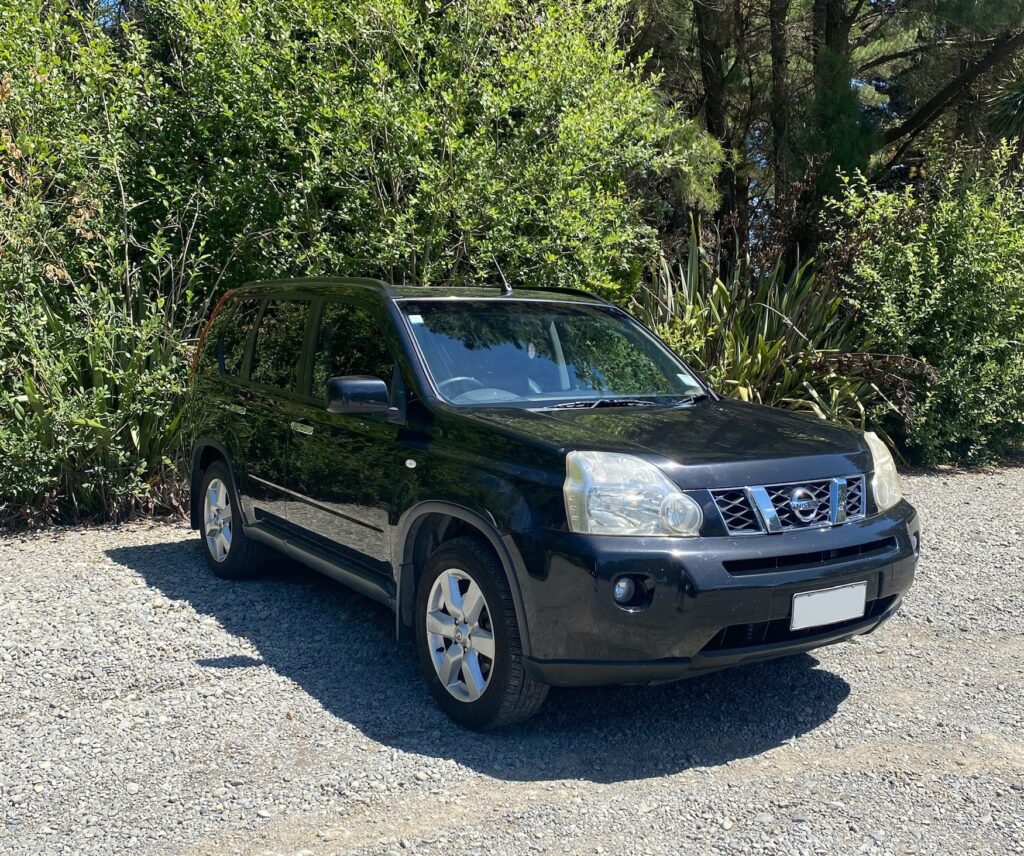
(145, 704)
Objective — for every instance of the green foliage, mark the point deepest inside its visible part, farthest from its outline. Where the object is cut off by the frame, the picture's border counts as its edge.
(1006, 106)
(798, 89)
(90, 371)
(767, 337)
(839, 136)
(421, 142)
(938, 274)
(151, 161)
(91, 406)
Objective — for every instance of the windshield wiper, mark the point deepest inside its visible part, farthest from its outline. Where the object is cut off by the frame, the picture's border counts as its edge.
(605, 402)
(691, 399)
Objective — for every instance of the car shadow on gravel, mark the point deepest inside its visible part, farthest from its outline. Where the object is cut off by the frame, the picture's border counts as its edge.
(339, 648)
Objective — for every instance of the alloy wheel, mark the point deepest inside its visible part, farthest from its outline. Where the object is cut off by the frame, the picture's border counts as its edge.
(460, 635)
(217, 517)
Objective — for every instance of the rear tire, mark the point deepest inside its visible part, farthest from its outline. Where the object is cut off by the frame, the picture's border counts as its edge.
(468, 641)
(229, 552)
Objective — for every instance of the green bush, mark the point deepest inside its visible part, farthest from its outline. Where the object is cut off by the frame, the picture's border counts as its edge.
(937, 273)
(91, 411)
(91, 365)
(772, 338)
(154, 154)
(420, 142)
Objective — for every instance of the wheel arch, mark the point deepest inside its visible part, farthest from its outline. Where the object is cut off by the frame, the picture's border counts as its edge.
(426, 526)
(204, 452)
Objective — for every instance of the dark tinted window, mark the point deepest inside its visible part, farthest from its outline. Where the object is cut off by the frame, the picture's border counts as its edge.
(275, 357)
(349, 343)
(235, 325)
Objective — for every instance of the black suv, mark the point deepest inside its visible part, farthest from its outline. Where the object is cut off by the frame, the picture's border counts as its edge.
(537, 486)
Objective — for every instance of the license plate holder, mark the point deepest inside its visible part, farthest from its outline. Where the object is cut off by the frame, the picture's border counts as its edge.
(822, 607)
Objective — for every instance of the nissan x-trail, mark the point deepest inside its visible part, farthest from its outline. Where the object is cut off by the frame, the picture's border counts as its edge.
(537, 486)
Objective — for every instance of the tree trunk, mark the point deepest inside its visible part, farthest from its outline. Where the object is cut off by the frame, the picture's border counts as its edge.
(712, 40)
(778, 15)
(830, 40)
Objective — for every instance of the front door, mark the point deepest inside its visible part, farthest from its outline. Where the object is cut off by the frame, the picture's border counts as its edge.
(343, 468)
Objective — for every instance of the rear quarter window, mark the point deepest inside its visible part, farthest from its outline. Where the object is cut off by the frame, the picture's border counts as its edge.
(235, 327)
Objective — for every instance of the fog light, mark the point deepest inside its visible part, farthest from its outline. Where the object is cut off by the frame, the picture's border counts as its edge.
(623, 590)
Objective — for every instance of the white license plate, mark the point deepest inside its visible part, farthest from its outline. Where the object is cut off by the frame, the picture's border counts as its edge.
(828, 606)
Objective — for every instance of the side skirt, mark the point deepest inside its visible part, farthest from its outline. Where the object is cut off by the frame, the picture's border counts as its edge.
(365, 582)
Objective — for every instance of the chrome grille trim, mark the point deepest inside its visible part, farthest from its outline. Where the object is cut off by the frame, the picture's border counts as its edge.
(766, 510)
(755, 510)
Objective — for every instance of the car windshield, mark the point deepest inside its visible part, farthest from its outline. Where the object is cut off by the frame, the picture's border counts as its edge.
(545, 354)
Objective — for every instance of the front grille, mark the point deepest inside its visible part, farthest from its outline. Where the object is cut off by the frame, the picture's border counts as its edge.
(798, 505)
(855, 497)
(737, 512)
(771, 632)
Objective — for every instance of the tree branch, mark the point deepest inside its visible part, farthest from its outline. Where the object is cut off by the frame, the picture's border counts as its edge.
(917, 49)
(1003, 47)
(882, 60)
(855, 11)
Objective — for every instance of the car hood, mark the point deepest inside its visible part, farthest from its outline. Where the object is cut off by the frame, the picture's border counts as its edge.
(721, 443)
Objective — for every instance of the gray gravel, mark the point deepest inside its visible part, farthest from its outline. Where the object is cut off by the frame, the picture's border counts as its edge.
(145, 704)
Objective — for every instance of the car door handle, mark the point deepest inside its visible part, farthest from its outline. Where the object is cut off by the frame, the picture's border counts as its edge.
(235, 408)
(302, 428)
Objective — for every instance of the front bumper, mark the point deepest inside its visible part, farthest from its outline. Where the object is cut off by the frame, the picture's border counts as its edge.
(716, 602)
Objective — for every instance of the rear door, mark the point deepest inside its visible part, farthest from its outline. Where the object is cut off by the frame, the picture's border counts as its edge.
(344, 465)
(269, 409)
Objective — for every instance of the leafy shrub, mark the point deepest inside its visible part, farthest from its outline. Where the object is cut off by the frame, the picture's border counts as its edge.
(419, 142)
(92, 408)
(772, 338)
(91, 368)
(937, 273)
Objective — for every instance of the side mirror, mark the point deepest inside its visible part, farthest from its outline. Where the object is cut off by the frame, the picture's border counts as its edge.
(367, 396)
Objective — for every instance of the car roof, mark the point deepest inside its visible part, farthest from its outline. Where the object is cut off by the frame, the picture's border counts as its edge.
(321, 286)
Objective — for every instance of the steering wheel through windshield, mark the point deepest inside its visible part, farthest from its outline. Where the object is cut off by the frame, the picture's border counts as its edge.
(471, 383)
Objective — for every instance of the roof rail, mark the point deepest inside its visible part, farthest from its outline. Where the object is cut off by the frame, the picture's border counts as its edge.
(356, 281)
(393, 291)
(579, 292)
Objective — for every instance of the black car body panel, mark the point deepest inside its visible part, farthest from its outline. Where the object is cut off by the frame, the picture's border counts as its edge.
(366, 497)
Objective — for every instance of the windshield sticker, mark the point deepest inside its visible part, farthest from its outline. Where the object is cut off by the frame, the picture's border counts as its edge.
(415, 319)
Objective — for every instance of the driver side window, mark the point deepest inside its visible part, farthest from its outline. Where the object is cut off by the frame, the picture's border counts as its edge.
(349, 342)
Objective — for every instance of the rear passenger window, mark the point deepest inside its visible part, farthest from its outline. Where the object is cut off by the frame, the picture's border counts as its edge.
(275, 357)
(234, 335)
(349, 342)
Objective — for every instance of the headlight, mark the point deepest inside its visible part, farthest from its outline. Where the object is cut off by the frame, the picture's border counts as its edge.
(885, 483)
(607, 493)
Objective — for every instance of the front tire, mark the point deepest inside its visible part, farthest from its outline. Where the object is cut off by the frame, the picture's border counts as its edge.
(468, 638)
(229, 552)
